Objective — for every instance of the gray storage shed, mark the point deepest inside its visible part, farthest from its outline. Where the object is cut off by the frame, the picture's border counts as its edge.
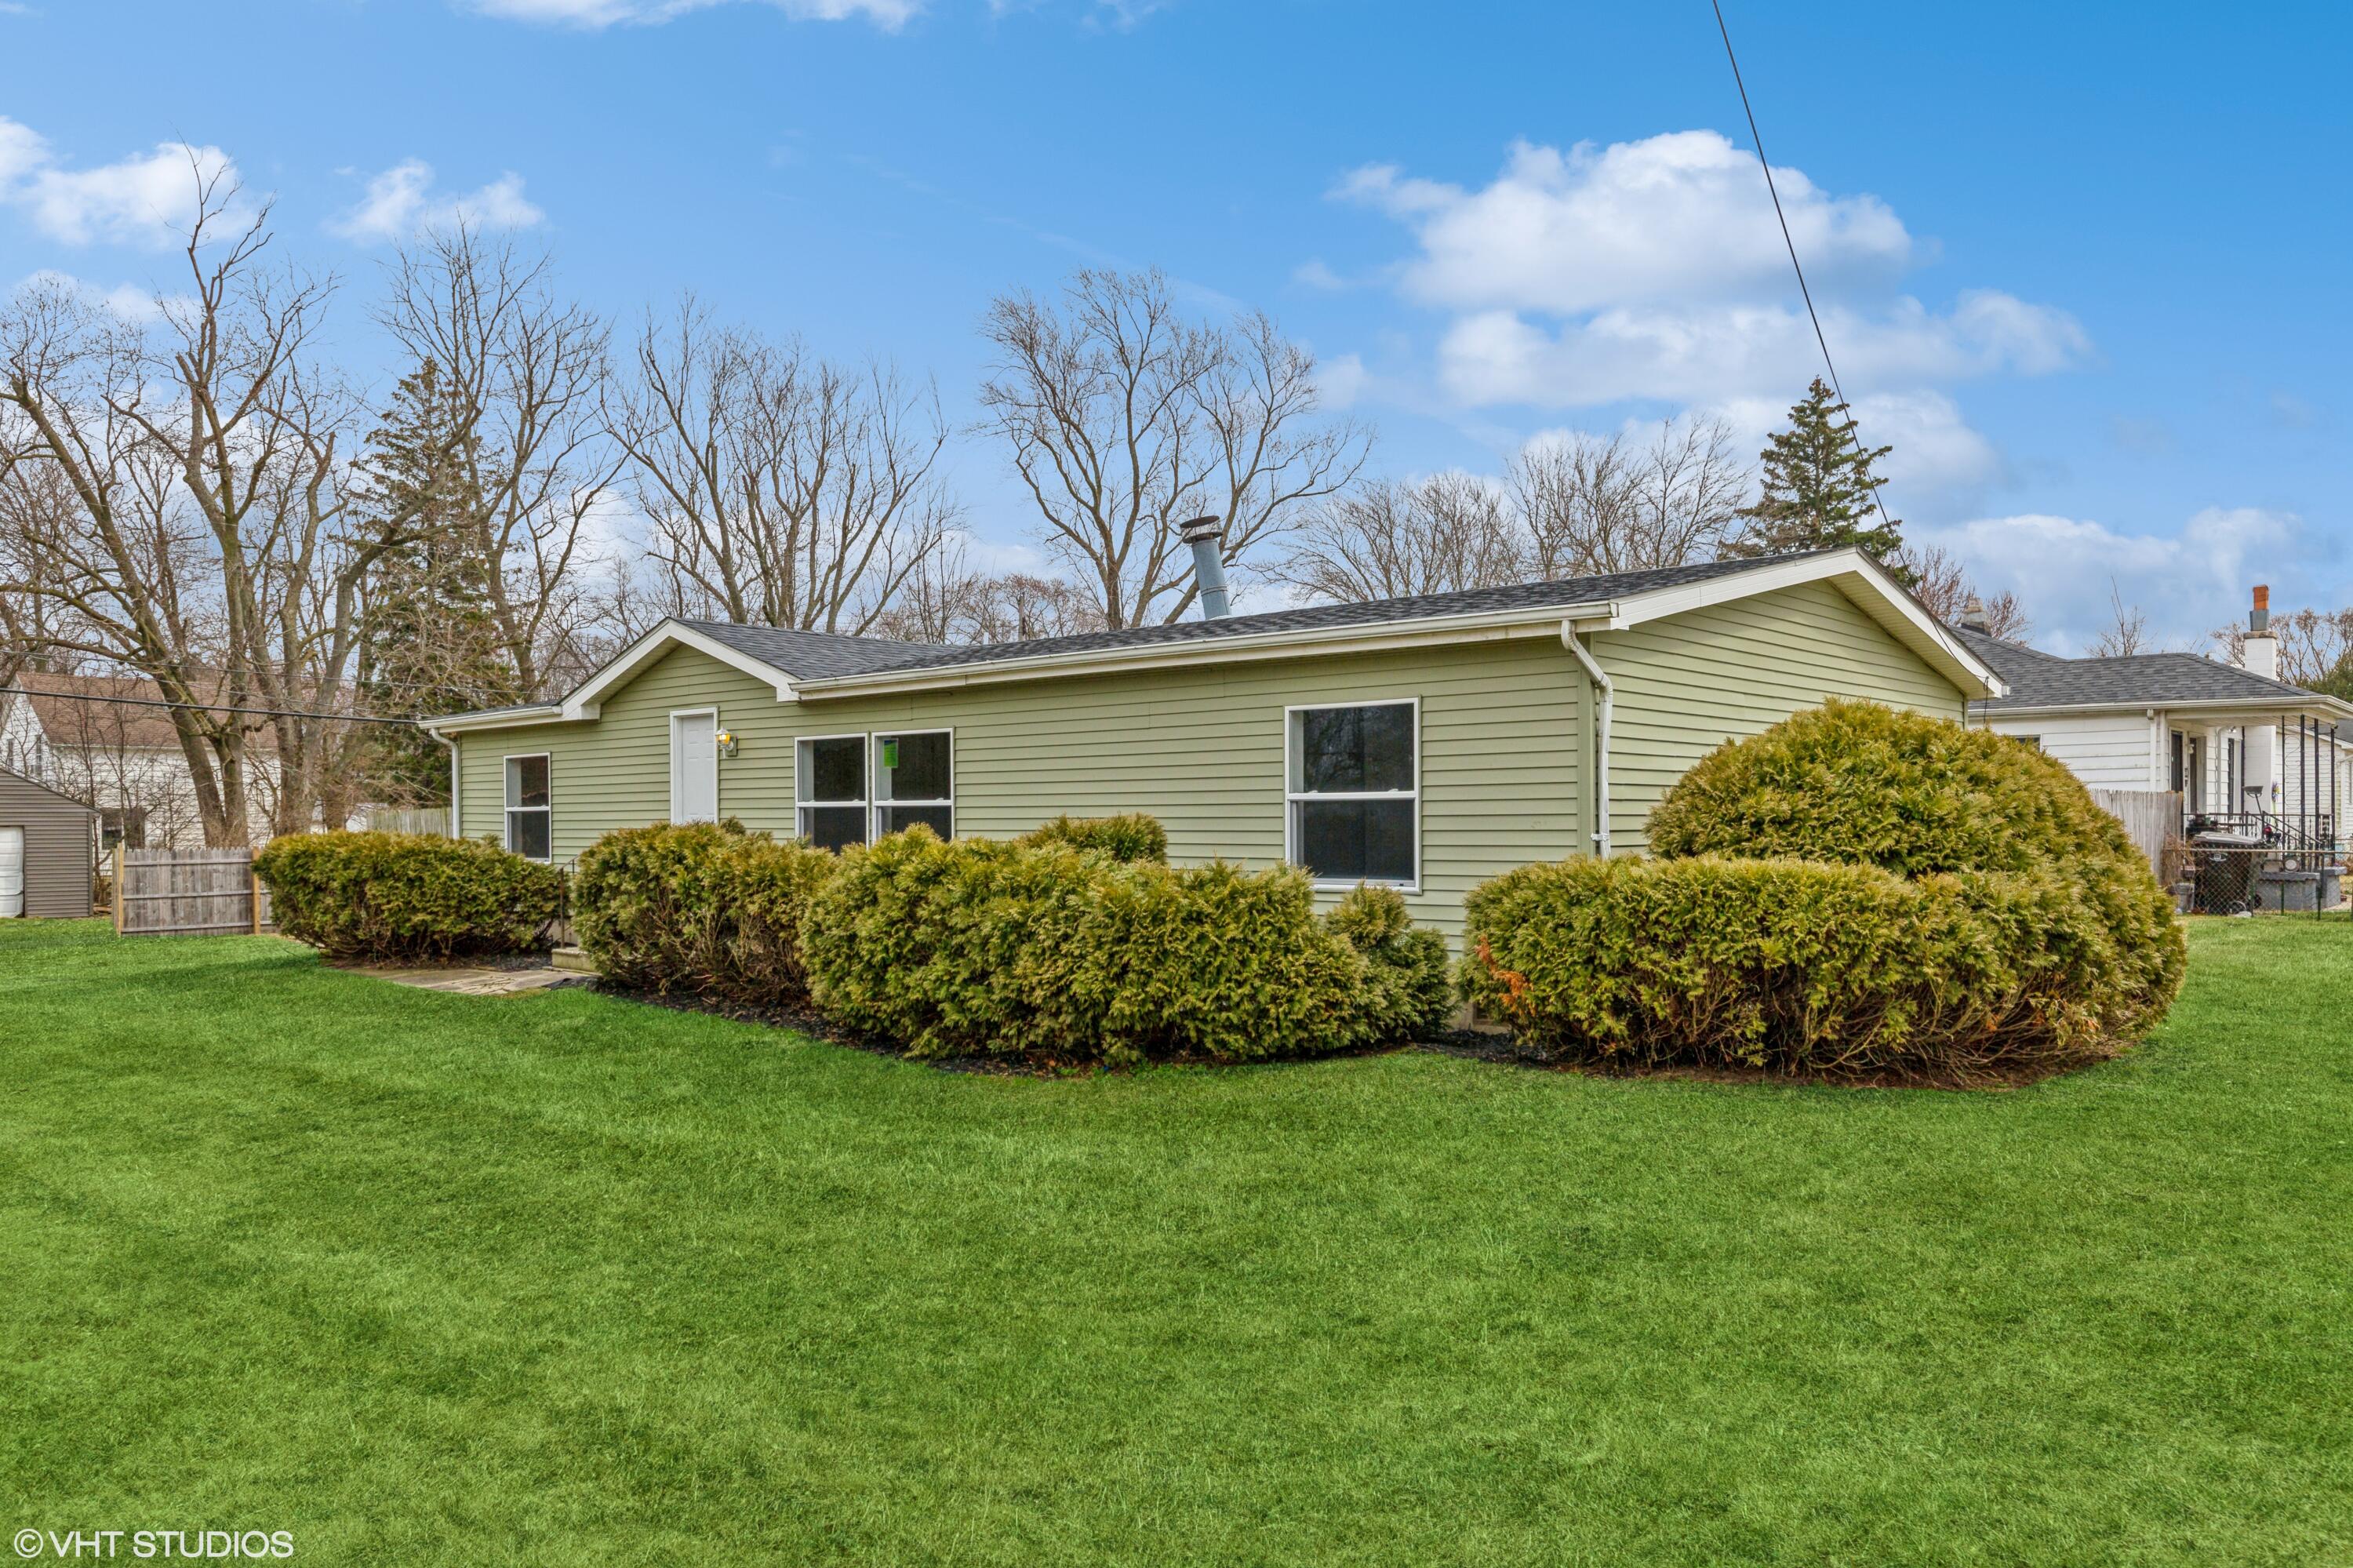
(47, 842)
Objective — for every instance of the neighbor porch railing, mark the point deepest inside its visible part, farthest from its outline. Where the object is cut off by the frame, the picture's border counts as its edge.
(2312, 832)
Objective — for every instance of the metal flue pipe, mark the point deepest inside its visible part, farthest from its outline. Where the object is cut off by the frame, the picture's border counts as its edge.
(1203, 534)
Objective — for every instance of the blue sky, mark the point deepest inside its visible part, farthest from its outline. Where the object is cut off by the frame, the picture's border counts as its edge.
(2084, 266)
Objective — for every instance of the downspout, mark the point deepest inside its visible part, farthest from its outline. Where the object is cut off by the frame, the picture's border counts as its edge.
(1601, 680)
(457, 822)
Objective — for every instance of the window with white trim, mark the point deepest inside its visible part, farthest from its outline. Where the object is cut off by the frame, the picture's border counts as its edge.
(528, 817)
(914, 781)
(1354, 794)
(829, 779)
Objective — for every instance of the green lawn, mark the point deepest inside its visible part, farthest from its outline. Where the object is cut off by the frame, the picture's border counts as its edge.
(557, 1278)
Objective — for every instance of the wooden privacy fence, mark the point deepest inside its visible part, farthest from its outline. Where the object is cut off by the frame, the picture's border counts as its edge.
(2151, 817)
(429, 819)
(187, 893)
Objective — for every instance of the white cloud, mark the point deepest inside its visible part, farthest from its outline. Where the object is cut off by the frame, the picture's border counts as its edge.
(1655, 271)
(401, 201)
(1705, 352)
(593, 14)
(2189, 582)
(1679, 217)
(1316, 274)
(1340, 381)
(146, 198)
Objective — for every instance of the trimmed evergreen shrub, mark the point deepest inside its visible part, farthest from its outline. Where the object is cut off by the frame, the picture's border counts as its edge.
(407, 896)
(1917, 795)
(1857, 782)
(1798, 966)
(1131, 836)
(1869, 890)
(984, 947)
(1409, 985)
(699, 908)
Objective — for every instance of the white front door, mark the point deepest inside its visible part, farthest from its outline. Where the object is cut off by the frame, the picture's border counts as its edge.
(12, 873)
(693, 767)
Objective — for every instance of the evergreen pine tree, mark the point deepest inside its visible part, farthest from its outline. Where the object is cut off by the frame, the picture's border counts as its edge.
(1818, 489)
(431, 642)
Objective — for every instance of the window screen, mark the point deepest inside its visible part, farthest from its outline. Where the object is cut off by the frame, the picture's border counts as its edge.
(1354, 798)
(528, 807)
(916, 782)
(830, 774)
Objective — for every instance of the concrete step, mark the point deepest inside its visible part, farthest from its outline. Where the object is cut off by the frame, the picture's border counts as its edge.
(573, 960)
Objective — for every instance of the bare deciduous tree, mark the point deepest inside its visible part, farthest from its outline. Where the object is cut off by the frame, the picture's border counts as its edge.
(1942, 586)
(1389, 540)
(945, 601)
(781, 490)
(525, 371)
(1594, 506)
(2316, 648)
(2126, 632)
(209, 548)
(1124, 419)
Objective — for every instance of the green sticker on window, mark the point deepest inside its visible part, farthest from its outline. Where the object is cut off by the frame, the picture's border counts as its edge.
(889, 754)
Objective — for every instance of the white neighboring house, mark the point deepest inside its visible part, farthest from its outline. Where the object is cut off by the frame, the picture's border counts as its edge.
(123, 760)
(2239, 746)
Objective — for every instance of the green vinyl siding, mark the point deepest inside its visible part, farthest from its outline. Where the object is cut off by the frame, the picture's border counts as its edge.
(1686, 684)
(1503, 724)
(1200, 749)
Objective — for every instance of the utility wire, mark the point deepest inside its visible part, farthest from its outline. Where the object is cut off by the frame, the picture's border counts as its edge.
(1758, 137)
(207, 707)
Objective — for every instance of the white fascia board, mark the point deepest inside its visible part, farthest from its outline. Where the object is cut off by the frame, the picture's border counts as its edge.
(2235, 711)
(1863, 581)
(493, 719)
(1291, 644)
(583, 704)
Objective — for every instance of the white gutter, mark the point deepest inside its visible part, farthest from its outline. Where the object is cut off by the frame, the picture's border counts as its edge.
(1600, 679)
(2230, 708)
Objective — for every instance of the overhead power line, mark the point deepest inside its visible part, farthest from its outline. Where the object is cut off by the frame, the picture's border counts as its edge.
(1758, 137)
(206, 707)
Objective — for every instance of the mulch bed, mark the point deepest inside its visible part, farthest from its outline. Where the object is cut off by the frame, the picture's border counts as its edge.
(1472, 1044)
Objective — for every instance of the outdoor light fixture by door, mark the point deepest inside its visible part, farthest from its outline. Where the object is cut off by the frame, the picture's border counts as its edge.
(725, 741)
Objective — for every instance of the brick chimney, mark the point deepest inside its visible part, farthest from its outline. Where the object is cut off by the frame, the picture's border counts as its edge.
(2259, 651)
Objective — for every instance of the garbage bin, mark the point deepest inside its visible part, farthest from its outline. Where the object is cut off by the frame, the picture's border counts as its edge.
(2222, 864)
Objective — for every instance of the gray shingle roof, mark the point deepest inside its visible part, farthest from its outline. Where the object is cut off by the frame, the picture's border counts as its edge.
(811, 655)
(2039, 680)
(815, 655)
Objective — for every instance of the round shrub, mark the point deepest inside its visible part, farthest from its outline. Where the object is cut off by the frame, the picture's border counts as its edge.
(1856, 782)
(1797, 965)
(406, 896)
(1409, 985)
(701, 909)
(983, 948)
(1905, 791)
(1131, 836)
(1856, 889)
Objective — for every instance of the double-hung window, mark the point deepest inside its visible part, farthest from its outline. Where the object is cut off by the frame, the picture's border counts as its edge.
(1354, 795)
(830, 778)
(527, 806)
(914, 781)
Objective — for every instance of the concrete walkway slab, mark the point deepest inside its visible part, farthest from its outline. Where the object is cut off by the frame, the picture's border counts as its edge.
(471, 980)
